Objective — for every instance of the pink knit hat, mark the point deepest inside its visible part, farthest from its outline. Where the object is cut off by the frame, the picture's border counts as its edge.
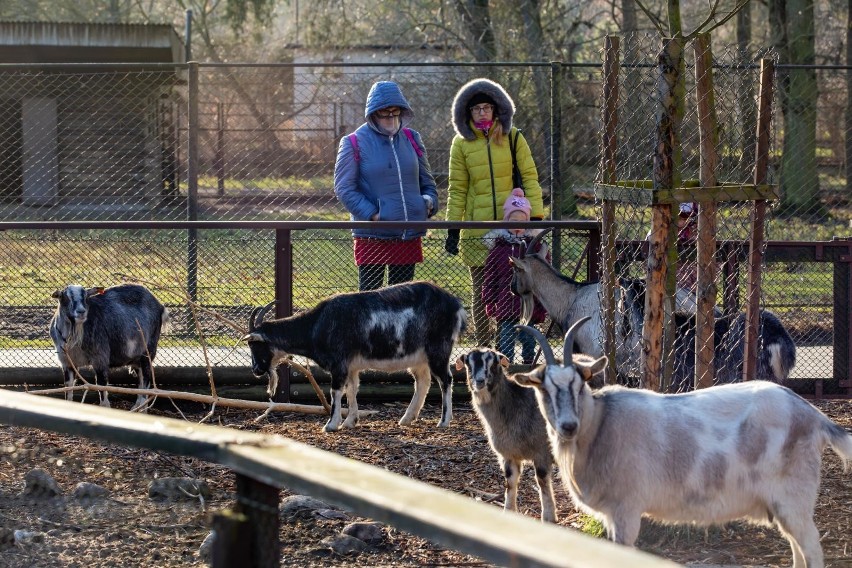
(516, 202)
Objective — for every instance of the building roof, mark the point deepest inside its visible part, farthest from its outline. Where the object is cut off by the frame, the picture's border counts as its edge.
(61, 42)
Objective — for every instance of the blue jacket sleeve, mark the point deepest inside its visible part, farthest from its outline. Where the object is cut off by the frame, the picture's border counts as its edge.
(427, 180)
(346, 180)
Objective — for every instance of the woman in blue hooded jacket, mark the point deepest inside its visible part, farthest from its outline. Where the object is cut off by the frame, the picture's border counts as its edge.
(382, 174)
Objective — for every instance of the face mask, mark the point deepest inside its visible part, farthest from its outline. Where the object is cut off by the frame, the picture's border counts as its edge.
(388, 126)
(484, 125)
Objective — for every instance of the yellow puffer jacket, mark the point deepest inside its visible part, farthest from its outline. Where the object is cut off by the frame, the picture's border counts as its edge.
(471, 194)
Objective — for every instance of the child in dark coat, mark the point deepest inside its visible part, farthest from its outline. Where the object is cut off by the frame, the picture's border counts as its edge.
(497, 296)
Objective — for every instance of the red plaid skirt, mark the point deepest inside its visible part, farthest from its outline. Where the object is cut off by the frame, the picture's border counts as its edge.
(387, 251)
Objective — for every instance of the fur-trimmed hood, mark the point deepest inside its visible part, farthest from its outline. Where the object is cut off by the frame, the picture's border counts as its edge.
(493, 236)
(461, 114)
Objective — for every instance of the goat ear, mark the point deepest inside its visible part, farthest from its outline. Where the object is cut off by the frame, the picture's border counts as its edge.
(504, 361)
(589, 368)
(253, 337)
(94, 291)
(459, 363)
(530, 380)
(56, 294)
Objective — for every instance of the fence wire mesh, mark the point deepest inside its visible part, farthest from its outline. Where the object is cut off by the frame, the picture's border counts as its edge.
(235, 272)
(112, 143)
(736, 85)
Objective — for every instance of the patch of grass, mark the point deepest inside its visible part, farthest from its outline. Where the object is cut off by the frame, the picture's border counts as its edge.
(592, 526)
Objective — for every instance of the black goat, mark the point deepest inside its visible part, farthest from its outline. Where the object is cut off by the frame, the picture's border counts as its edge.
(107, 328)
(407, 326)
(776, 355)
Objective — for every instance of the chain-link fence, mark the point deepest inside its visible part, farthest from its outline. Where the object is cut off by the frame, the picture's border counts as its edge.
(258, 142)
(703, 194)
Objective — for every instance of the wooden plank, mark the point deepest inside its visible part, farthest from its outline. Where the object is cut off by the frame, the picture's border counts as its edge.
(443, 517)
(641, 196)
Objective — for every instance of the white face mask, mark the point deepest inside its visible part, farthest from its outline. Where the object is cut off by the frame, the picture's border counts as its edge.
(389, 126)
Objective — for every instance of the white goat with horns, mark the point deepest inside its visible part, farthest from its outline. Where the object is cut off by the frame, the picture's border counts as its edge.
(751, 450)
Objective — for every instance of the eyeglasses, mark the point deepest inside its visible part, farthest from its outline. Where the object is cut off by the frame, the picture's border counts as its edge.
(388, 113)
(481, 109)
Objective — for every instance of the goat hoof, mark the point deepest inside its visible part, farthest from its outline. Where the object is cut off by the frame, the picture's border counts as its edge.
(329, 427)
(406, 421)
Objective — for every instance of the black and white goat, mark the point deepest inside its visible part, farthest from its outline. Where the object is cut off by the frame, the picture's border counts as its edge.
(776, 353)
(105, 328)
(407, 326)
(515, 428)
(750, 451)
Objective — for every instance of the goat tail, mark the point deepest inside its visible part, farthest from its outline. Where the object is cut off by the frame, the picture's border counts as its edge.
(782, 359)
(461, 324)
(166, 321)
(841, 442)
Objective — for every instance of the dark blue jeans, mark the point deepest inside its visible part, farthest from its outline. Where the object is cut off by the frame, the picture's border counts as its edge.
(506, 336)
(372, 276)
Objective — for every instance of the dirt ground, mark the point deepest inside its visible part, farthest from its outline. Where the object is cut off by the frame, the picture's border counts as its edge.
(129, 529)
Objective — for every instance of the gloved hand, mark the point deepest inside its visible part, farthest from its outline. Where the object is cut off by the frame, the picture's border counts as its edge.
(451, 245)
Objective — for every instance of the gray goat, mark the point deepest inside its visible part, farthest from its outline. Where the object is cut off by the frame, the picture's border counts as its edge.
(738, 451)
(516, 429)
(567, 301)
(105, 328)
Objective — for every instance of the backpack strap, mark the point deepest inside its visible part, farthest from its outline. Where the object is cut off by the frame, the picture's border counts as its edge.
(354, 141)
(410, 136)
(407, 131)
(517, 179)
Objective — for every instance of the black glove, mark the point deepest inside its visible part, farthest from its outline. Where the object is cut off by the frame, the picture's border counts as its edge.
(452, 243)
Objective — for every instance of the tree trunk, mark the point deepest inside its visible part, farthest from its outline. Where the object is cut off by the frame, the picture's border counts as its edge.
(476, 16)
(748, 119)
(799, 178)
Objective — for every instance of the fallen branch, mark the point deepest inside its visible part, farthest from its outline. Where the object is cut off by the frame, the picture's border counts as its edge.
(202, 398)
(307, 372)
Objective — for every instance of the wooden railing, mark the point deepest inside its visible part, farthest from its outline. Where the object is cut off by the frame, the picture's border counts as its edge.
(264, 464)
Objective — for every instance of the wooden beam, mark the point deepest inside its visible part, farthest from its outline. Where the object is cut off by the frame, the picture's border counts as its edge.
(608, 169)
(705, 319)
(758, 219)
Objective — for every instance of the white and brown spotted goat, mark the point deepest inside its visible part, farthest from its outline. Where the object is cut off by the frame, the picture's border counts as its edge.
(740, 451)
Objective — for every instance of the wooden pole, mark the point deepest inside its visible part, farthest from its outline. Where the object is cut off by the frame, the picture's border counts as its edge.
(608, 173)
(758, 218)
(706, 245)
(666, 176)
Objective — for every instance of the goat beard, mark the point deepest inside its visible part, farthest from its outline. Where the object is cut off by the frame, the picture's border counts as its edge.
(75, 334)
(272, 388)
(527, 306)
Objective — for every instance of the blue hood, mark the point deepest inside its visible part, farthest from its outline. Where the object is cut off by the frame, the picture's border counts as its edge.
(386, 94)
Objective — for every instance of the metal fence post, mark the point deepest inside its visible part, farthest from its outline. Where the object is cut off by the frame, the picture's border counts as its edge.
(842, 347)
(259, 503)
(192, 183)
(556, 191)
(283, 299)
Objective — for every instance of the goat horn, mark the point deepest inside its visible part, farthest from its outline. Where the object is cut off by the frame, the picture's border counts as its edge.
(534, 243)
(568, 348)
(549, 358)
(256, 317)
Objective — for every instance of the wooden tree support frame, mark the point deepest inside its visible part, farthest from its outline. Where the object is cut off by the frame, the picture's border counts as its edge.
(666, 190)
